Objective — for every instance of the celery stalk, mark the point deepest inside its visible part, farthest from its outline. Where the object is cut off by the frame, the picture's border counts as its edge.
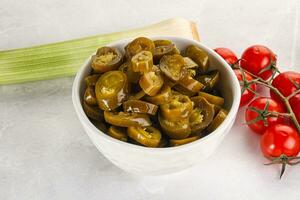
(64, 58)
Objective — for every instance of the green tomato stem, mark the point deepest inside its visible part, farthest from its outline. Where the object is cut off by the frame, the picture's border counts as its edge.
(268, 84)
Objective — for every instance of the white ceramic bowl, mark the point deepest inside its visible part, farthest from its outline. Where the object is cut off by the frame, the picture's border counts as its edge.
(155, 161)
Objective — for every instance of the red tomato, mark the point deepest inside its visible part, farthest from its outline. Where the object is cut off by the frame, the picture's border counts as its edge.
(284, 84)
(227, 55)
(257, 58)
(280, 139)
(260, 103)
(247, 96)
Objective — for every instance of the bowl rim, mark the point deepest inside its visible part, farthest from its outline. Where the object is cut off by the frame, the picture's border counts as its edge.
(88, 124)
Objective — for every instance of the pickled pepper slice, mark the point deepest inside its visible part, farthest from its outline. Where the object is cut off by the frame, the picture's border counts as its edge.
(216, 108)
(142, 62)
(106, 59)
(111, 90)
(91, 80)
(172, 66)
(219, 118)
(163, 142)
(175, 129)
(147, 136)
(191, 72)
(92, 112)
(100, 125)
(169, 82)
(174, 142)
(160, 51)
(132, 77)
(137, 45)
(179, 107)
(191, 84)
(117, 133)
(90, 96)
(162, 97)
(151, 82)
(209, 80)
(212, 98)
(124, 119)
(138, 106)
(137, 96)
(160, 43)
(199, 56)
(202, 115)
(189, 63)
(182, 90)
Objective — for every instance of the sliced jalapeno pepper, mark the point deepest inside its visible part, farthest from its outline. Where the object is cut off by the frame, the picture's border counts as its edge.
(100, 125)
(191, 84)
(138, 106)
(209, 80)
(202, 115)
(160, 51)
(163, 142)
(220, 117)
(131, 141)
(162, 97)
(174, 142)
(90, 96)
(189, 63)
(191, 72)
(169, 82)
(183, 90)
(163, 47)
(142, 62)
(106, 59)
(179, 107)
(92, 79)
(92, 112)
(175, 129)
(172, 66)
(147, 136)
(216, 108)
(137, 45)
(152, 81)
(159, 43)
(190, 66)
(111, 90)
(117, 133)
(199, 56)
(138, 95)
(124, 119)
(132, 77)
(212, 98)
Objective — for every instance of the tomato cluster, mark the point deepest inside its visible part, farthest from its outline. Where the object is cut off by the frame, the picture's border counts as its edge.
(268, 116)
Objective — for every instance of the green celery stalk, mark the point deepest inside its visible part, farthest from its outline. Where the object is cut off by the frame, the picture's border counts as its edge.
(64, 58)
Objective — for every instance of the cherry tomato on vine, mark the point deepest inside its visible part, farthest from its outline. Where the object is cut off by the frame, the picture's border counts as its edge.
(247, 95)
(227, 55)
(280, 139)
(230, 57)
(258, 58)
(286, 83)
(264, 105)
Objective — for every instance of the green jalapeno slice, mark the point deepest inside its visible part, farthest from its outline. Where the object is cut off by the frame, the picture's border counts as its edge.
(147, 136)
(124, 119)
(111, 90)
(106, 59)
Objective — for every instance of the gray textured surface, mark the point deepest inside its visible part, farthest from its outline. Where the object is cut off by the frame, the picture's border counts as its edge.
(44, 153)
